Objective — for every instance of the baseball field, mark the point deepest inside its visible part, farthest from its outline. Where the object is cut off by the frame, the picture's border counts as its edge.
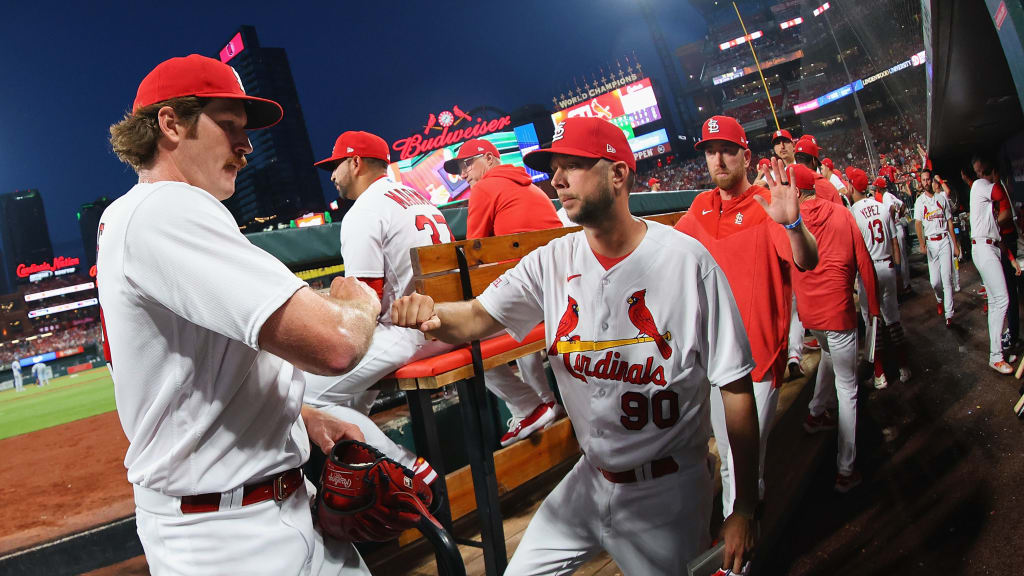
(64, 400)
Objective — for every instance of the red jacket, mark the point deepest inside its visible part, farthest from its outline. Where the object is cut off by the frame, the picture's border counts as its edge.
(754, 253)
(505, 201)
(824, 295)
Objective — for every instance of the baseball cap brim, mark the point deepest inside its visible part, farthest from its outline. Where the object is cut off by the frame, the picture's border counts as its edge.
(700, 145)
(452, 167)
(540, 160)
(329, 164)
(259, 112)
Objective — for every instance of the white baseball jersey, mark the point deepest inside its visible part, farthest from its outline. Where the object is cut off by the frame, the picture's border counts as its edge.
(876, 226)
(377, 232)
(634, 378)
(934, 213)
(836, 181)
(184, 296)
(889, 200)
(983, 218)
(39, 371)
(16, 369)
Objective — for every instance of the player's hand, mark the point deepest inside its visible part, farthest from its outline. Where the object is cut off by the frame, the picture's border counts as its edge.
(325, 430)
(922, 248)
(415, 311)
(785, 204)
(355, 292)
(738, 537)
(956, 250)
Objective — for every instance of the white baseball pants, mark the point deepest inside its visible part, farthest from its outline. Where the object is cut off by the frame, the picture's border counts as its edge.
(271, 538)
(766, 400)
(650, 527)
(986, 260)
(796, 335)
(18, 386)
(886, 274)
(393, 347)
(940, 272)
(838, 371)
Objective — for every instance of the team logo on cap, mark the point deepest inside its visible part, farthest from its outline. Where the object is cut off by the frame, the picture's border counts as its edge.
(712, 126)
(559, 131)
(349, 150)
(609, 148)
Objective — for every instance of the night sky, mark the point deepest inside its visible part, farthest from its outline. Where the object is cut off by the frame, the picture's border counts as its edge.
(71, 69)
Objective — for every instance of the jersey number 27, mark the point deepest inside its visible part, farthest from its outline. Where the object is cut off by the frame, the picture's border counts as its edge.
(425, 223)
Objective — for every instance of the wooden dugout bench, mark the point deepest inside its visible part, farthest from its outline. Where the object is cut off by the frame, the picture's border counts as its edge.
(461, 271)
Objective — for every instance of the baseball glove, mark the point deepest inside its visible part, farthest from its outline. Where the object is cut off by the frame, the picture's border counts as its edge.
(367, 497)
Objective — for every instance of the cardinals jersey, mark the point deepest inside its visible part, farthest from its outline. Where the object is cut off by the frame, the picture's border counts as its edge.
(379, 229)
(876, 226)
(633, 359)
(933, 212)
(984, 197)
(184, 298)
(895, 206)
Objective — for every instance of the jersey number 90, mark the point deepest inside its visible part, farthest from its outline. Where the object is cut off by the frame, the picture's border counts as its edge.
(662, 409)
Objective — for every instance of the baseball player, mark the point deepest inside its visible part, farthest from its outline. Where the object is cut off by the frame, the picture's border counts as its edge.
(879, 233)
(806, 153)
(654, 184)
(941, 189)
(825, 298)
(782, 145)
(503, 200)
(898, 210)
(386, 221)
(16, 370)
(756, 249)
(835, 178)
(39, 371)
(208, 338)
(935, 235)
(986, 193)
(639, 404)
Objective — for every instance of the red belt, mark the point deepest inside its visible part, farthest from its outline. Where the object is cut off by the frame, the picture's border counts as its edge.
(936, 238)
(659, 468)
(986, 240)
(277, 487)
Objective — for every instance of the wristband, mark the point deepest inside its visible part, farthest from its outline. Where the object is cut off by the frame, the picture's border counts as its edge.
(799, 220)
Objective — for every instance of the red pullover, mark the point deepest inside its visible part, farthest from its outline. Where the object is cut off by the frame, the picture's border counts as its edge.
(505, 201)
(824, 296)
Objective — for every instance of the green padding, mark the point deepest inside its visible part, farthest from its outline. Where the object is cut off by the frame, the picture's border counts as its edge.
(320, 245)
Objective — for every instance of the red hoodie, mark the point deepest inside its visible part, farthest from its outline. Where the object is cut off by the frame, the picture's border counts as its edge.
(505, 201)
(824, 295)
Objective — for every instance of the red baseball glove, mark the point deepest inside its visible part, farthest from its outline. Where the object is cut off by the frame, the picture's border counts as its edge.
(367, 497)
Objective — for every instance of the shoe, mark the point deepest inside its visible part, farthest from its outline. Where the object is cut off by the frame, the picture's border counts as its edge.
(982, 291)
(812, 344)
(904, 375)
(425, 472)
(881, 383)
(847, 482)
(542, 415)
(1001, 367)
(941, 311)
(814, 424)
(795, 370)
(949, 322)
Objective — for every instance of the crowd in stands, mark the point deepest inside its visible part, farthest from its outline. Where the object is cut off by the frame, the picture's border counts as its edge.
(60, 340)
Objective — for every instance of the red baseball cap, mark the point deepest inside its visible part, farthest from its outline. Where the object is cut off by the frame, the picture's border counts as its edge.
(196, 75)
(880, 182)
(781, 134)
(653, 181)
(351, 143)
(586, 138)
(802, 176)
(858, 178)
(470, 149)
(828, 162)
(724, 128)
(764, 162)
(807, 145)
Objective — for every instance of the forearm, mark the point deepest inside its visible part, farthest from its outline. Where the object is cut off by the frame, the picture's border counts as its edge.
(897, 257)
(744, 439)
(920, 232)
(805, 247)
(1003, 218)
(463, 321)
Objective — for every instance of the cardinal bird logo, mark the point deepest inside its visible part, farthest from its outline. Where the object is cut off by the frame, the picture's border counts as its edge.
(641, 317)
(570, 318)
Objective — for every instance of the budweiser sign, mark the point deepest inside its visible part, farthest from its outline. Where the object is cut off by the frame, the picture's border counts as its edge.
(443, 129)
(59, 262)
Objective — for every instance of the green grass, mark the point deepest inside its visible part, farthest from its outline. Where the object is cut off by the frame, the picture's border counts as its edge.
(66, 399)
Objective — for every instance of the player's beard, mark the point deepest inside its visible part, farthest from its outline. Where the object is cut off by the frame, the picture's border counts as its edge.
(594, 210)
